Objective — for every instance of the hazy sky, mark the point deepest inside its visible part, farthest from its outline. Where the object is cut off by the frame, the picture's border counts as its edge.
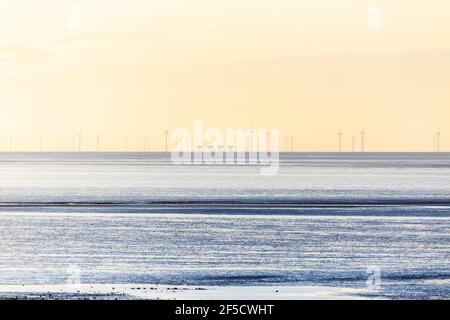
(130, 68)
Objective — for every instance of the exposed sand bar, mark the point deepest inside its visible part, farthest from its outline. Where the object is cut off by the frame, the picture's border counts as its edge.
(166, 292)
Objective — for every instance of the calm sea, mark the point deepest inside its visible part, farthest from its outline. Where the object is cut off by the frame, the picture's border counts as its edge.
(324, 219)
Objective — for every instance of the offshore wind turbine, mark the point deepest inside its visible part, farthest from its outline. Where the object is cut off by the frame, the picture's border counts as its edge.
(438, 136)
(340, 140)
(292, 143)
(166, 133)
(79, 141)
(353, 143)
(363, 137)
(253, 134)
(250, 148)
(267, 140)
(98, 142)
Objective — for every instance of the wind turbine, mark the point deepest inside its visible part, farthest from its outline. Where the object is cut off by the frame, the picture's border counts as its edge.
(250, 148)
(41, 143)
(98, 142)
(292, 143)
(363, 137)
(10, 144)
(267, 140)
(57, 144)
(353, 144)
(79, 141)
(166, 133)
(340, 140)
(438, 136)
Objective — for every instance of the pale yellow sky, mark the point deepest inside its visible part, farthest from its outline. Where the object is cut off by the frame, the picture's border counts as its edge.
(131, 68)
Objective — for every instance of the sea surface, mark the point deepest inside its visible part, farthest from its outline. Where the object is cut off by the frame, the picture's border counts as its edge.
(359, 220)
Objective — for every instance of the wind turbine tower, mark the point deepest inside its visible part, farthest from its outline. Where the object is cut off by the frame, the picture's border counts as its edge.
(98, 142)
(267, 140)
(166, 133)
(438, 136)
(79, 142)
(340, 140)
(250, 147)
(363, 138)
(353, 144)
(292, 143)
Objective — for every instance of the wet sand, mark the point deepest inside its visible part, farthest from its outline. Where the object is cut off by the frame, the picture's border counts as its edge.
(165, 292)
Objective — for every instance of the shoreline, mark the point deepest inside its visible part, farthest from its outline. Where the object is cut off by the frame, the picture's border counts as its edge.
(170, 292)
